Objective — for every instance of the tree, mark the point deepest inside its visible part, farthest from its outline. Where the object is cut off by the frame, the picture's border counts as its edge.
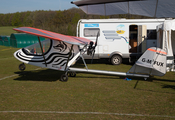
(16, 19)
(63, 22)
(75, 19)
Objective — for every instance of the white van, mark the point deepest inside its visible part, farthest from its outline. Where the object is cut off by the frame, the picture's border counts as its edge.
(119, 38)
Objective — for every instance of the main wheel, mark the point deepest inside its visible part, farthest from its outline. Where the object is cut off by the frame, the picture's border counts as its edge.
(116, 59)
(22, 67)
(72, 74)
(64, 78)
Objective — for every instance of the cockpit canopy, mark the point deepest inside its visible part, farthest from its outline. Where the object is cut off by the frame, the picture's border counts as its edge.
(35, 49)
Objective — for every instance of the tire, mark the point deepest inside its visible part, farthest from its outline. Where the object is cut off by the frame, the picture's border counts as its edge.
(64, 78)
(22, 67)
(72, 74)
(116, 59)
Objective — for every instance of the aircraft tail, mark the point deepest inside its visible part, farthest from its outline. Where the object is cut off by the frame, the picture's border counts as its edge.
(152, 62)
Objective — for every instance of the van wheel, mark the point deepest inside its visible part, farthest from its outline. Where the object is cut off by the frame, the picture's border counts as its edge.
(116, 59)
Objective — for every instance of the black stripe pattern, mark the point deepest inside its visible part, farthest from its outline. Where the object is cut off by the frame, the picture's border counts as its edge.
(56, 58)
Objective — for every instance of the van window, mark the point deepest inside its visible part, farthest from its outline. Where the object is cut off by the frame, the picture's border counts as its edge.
(151, 34)
(91, 32)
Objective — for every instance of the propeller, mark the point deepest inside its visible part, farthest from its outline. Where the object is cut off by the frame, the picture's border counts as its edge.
(91, 48)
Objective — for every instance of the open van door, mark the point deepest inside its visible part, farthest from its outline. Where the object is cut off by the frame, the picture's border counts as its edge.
(142, 33)
(137, 35)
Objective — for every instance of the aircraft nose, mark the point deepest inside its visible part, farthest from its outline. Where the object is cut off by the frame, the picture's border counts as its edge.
(21, 56)
(16, 54)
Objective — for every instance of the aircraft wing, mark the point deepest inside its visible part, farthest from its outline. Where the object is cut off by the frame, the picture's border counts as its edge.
(53, 36)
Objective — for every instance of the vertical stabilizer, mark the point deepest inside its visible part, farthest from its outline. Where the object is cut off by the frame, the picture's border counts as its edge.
(152, 62)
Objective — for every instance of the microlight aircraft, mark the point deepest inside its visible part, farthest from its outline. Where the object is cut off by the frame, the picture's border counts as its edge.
(61, 52)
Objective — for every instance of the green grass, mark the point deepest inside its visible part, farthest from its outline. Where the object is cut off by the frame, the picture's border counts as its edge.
(7, 30)
(41, 90)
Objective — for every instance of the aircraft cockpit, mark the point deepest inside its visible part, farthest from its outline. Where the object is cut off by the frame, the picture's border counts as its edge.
(35, 49)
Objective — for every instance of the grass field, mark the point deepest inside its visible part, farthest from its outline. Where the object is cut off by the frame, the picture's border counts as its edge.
(7, 30)
(37, 93)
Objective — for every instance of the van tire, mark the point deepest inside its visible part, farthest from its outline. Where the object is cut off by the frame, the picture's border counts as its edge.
(116, 60)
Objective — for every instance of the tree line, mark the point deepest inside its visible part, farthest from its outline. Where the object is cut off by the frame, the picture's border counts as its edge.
(63, 22)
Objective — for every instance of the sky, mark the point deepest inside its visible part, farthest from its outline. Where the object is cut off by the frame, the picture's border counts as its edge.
(12, 6)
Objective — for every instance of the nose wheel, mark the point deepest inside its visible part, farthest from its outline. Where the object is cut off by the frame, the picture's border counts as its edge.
(22, 67)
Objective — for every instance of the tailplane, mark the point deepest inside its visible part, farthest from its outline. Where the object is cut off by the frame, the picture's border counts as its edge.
(152, 62)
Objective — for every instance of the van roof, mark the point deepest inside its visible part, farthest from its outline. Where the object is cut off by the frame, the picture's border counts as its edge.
(121, 20)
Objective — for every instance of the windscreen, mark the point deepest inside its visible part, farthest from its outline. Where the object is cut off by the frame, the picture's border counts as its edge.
(35, 49)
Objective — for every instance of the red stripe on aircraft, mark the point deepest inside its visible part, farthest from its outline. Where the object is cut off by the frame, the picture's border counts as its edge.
(157, 51)
(52, 35)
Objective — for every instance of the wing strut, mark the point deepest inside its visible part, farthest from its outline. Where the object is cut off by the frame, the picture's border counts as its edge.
(42, 51)
(69, 57)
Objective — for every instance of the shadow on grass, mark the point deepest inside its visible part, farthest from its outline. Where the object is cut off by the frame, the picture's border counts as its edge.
(54, 75)
(167, 86)
(160, 82)
(151, 79)
(39, 75)
(164, 80)
(153, 91)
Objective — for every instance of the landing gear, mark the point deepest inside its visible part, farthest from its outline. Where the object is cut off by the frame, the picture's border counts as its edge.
(150, 79)
(22, 67)
(64, 78)
(72, 74)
